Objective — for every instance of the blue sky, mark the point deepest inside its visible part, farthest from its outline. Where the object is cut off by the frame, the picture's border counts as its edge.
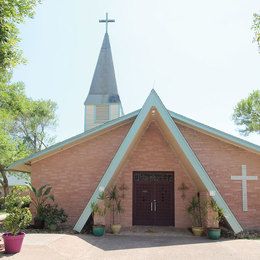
(199, 56)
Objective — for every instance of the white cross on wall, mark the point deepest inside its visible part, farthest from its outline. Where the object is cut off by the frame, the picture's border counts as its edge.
(244, 178)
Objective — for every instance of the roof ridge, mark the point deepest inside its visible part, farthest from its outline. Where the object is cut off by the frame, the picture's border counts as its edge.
(183, 119)
(214, 131)
(153, 101)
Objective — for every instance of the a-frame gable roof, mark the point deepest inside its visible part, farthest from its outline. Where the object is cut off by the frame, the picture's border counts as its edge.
(23, 165)
(154, 102)
(215, 132)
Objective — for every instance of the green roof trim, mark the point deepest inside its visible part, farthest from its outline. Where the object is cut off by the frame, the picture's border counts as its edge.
(179, 118)
(73, 139)
(153, 101)
(233, 139)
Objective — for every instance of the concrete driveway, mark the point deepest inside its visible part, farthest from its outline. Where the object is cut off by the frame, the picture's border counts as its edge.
(148, 246)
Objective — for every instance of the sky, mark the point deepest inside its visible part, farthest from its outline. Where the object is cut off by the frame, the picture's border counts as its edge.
(198, 56)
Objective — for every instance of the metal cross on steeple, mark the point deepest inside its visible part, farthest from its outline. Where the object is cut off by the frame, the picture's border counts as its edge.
(107, 21)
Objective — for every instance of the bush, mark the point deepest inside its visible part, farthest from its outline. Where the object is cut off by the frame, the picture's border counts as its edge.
(17, 219)
(17, 198)
(19, 215)
(197, 211)
(2, 203)
(53, 215)
(39, 201)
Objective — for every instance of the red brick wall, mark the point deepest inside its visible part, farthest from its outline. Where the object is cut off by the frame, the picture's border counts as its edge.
(75, 173)
(221, 160)
(153, 153)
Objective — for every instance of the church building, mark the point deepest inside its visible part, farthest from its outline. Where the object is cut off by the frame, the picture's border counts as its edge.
(162, 158)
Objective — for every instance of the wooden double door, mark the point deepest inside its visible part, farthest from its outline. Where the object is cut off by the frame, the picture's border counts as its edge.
(153, 198)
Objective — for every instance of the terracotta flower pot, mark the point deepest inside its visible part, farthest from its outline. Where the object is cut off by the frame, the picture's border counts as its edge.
(115, 228)
(197, 231)
(13, 243)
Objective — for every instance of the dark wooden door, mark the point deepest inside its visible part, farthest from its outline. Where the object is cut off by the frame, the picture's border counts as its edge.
(153, 202)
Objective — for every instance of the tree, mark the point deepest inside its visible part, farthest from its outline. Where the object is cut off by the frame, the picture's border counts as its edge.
(10, 150)
(24, 122)
(24, 125)
(247, 114)
(256, 28)
(33, 123)
(12, 13)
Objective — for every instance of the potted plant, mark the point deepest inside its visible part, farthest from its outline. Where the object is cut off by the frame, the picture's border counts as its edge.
(39, 201)
(19, 217)
(99, 211)
(53, 216)
(217, 214)
(115, 206)
(196, 209)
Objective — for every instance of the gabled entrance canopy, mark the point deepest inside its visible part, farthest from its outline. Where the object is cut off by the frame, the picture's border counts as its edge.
(151, 106)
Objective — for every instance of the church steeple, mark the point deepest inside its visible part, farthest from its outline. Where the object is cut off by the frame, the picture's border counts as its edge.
(103, 103)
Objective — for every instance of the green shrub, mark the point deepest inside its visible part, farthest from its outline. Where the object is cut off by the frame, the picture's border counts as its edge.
(114, 196)
(219, 213)
(197, 210)
(40, 199)
(53, 215)
(2, 203)
(18, 197)
(18, 219)
(19, 215)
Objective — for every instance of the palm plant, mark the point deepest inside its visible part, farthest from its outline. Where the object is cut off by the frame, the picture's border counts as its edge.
(99, 208)
(197, 211)
(219, 214)
(39, 201)
(114, 202)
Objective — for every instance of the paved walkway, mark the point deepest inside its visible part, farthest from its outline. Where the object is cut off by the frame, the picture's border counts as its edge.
(134, 246)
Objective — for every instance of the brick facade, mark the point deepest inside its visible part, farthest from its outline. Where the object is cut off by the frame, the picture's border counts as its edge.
(75, 172)
(221, 160)
(153, 153)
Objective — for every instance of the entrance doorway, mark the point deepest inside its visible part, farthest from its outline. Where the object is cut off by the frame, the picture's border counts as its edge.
(153, 198)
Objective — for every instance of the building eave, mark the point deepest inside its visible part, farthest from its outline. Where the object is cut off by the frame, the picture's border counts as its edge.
(154, 102)
(24, 164)
(215, 133)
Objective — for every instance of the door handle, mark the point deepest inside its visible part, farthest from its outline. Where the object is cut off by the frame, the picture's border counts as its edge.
(151, 206)
(154, 205)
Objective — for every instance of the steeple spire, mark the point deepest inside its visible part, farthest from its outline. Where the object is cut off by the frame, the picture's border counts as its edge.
(103, 103)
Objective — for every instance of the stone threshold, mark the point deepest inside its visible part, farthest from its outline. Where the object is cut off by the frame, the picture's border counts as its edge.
(156, 231)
